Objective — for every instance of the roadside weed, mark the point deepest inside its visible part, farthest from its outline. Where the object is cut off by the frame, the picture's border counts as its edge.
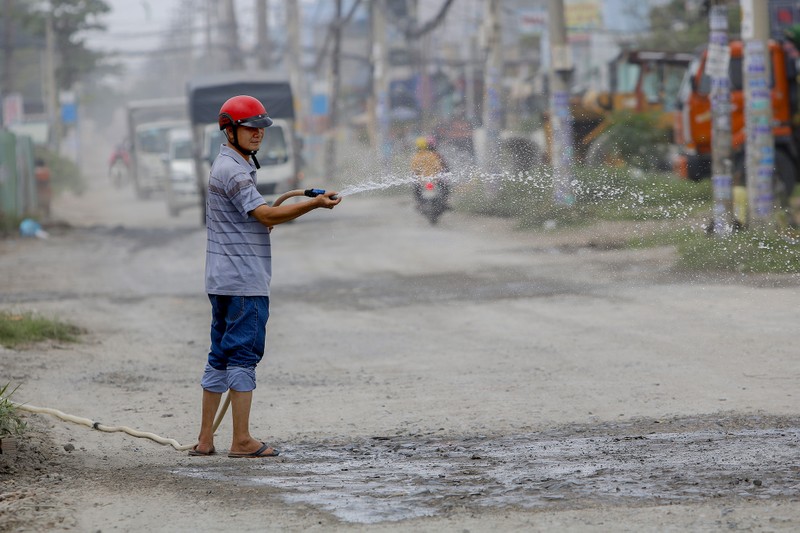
(20, 329)
(10, 423)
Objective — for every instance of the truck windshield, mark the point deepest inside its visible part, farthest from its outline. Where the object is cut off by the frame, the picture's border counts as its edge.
(152, 140)
(627, 77)
(734, 75)
(274, 150)
(182, 149)
(660, 82)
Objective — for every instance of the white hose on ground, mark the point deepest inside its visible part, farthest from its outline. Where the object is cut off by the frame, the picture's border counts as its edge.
(113, 429)
(100, 427)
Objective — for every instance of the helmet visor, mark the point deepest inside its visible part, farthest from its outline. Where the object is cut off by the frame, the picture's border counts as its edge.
(258, 121)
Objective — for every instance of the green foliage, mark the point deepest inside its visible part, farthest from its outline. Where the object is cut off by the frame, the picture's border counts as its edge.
(10, 423)
(637, 139)
(745, 251)
(9, 225)
(600, 194)
(64, 173)
(603, 194)
(22, 329)
(675, 28)
(71, 20)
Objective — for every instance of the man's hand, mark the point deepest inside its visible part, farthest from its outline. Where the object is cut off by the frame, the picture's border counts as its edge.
(272, 216)
(328, 200)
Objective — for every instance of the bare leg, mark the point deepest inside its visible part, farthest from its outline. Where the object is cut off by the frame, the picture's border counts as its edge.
(243, 442)
(205, 441)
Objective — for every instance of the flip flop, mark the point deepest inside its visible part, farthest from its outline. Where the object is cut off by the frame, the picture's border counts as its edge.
(256, 454)
(197, 453)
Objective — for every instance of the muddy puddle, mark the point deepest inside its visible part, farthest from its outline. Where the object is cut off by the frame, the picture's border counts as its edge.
(392, 478)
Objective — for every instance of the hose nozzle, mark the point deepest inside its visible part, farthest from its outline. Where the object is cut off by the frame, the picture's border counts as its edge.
(313, 193)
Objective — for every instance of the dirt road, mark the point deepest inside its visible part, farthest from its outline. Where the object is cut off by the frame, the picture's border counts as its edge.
(460, 377)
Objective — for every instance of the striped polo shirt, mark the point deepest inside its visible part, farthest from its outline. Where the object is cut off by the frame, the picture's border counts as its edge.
(238, 251)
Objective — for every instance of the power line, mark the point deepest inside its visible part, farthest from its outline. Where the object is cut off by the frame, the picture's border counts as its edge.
(148, 34)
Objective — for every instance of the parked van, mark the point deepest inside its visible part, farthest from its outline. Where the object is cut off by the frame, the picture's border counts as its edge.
(181, 184)
(149, 122)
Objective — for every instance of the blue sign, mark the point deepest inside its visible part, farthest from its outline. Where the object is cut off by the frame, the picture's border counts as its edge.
(69, 113)
(319, 104)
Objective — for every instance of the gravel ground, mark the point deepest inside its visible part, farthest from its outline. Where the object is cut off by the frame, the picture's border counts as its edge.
(463, 377)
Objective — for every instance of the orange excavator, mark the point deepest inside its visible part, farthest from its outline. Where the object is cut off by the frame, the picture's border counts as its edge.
(693, 119)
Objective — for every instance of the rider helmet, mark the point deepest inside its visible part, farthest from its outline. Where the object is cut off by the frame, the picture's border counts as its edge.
(243, 110)
(421, 143)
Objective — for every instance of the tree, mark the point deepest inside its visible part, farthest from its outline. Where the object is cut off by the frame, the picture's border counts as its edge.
(675, 28)
(71, 20)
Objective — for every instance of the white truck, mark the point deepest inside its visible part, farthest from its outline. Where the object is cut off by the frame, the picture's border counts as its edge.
(181, 184)
(279, 155)
(149, 123)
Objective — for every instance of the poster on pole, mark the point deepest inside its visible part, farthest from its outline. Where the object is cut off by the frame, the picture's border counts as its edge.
(748, 28)
(718, 61)
(13, 110)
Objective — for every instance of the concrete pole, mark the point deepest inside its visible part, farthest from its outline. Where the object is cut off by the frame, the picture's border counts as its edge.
(335, 84)
(561, 66)
(493, 91)
(469, 79)
(230, 36)
(718, 60)
(380, 85)
(262, 33)
(209, 42)
(296, 65)
(7, 84)
(760, 151)
(51, 83)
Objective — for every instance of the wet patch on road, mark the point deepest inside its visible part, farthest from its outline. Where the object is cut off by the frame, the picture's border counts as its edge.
(392, 478)
(144, 238)
(380, 291)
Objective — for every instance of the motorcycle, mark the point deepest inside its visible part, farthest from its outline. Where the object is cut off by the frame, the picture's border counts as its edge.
(431, 198)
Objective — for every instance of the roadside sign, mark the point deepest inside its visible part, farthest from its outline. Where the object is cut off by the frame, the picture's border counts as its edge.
(717, 61)
(13, 112)
(783, 14)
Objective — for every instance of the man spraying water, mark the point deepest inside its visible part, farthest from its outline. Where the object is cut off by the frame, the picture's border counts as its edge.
(238, 273)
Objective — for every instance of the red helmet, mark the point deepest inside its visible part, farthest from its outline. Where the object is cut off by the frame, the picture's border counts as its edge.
(243, 110)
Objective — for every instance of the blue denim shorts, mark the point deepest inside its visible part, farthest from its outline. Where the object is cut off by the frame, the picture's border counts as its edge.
(238, 336)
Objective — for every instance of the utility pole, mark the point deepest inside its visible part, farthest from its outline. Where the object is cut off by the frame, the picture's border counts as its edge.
(380, 84)
(717, 63)
(230, 32)
(492, 96)
(6, 86)
(51, 82)
(262, 33)
(422, 57)
(209, 44)
(335, 84)
(760, 151)
(561, 147)
(469, 80)
(296, 64)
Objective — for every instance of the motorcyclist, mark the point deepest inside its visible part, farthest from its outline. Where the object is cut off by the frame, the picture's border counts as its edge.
(119, 163)
(429, 165)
